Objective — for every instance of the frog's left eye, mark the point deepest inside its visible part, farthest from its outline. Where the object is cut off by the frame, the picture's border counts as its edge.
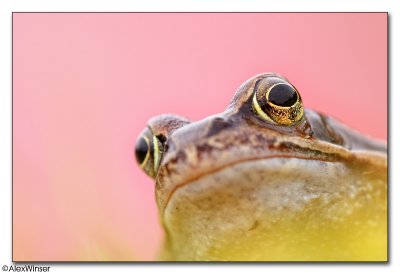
(277, 101)
(148, 152)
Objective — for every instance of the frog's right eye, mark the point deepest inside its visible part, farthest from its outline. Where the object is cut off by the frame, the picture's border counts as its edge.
(276, 101)
(148, 152)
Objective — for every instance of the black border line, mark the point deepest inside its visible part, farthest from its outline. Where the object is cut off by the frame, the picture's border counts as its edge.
(388, 132)
(185, 12)
(12, 137)
(221, 263)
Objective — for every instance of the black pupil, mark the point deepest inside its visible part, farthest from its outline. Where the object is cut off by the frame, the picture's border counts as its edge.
(141, 150)
(282, 95)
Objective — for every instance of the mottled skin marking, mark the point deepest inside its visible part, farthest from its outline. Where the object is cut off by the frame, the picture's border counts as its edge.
(232, 184)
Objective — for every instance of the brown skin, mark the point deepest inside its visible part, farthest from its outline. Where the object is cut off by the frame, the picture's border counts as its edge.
(187, 190)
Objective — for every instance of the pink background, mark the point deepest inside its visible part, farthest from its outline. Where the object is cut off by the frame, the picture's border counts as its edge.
(85, 85)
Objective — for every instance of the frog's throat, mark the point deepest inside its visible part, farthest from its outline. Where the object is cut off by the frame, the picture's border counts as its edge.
(257, 208)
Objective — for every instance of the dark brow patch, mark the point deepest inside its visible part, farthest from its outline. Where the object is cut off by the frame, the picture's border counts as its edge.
(217, 125)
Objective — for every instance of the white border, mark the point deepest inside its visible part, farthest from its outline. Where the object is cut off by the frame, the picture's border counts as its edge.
(9, 6)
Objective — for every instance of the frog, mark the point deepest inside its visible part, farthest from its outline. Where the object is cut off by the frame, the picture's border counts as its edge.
(266, 180)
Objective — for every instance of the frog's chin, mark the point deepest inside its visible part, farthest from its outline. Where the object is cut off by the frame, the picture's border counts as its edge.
(236, 207)
(238, 198)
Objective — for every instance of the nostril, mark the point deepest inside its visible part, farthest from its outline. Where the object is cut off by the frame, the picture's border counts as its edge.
(161, 138)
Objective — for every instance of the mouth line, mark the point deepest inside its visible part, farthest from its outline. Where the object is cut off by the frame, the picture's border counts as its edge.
(220, 168)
